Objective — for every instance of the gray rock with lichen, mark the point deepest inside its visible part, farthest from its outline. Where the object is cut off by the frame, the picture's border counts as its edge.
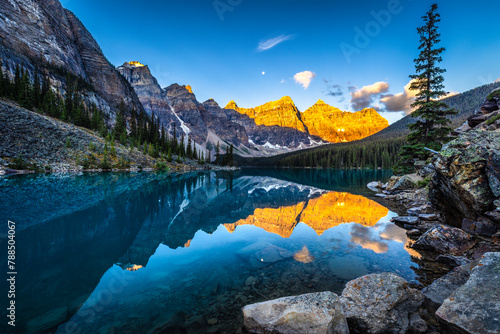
(467, 173)
(312, 313)
(445, 239)
(475, 306)
(380, 303)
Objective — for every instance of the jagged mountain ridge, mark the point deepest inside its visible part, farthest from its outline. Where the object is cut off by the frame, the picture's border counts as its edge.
(52, 39)
(322, 120)
(207, 123)
(272, 128)
(282, 113)
(335, 125)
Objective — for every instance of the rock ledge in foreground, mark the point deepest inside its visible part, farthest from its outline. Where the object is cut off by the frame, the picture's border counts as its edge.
(475, 307)
(381, 303)
(312, 313)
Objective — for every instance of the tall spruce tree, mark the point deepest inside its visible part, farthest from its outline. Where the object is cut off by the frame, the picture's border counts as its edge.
(430, 128)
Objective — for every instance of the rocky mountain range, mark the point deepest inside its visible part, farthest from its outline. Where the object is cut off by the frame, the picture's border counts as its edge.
(335, 125)
(272, 128)
(52, 42)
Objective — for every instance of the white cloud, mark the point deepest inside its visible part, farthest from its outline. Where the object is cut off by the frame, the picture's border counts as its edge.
(272, 42)
(364, 97)
(304, 78)
(263, 73)
(400, 101)
(283, 80)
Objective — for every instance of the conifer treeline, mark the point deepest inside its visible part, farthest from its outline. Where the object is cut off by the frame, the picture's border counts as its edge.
(362, 154)
(132, 128)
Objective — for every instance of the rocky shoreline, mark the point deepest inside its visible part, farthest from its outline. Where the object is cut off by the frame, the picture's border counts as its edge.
(34, 143)
(452, 207)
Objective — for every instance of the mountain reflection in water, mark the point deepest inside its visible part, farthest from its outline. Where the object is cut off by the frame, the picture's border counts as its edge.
(320, 212)
(155, 253)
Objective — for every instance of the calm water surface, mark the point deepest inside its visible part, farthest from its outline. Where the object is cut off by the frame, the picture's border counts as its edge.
(152, 253)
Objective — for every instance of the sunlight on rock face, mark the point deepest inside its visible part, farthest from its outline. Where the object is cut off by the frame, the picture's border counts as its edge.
(321, 213)
(282, 113)
(303, 256)
(135, 267)
(135, 63)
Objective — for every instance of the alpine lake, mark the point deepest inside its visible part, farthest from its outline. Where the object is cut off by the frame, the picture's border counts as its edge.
(145, 252)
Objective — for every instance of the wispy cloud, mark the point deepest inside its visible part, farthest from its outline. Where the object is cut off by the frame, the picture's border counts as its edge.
(304, 78)
(272, 42)
(333, 89)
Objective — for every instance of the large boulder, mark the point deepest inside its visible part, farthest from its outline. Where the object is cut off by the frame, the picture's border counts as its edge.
(405, 182)
(380, 303)
(445, 239)
(467, 176)
(436, 293)
(475, 307)
(312, 313)
(483, 226)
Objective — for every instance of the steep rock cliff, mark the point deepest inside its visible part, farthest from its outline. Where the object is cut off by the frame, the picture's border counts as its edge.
(189, 110)
(152, 96)
(53, 40)
(283, 113)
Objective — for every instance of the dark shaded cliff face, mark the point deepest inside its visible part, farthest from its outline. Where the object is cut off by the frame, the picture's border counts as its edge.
(52, 39)
(189, 110)
(151, 95)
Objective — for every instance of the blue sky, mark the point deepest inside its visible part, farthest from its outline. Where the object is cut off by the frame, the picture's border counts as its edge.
(213, 45)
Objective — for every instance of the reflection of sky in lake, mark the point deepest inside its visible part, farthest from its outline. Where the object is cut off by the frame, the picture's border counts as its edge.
(186, 280)
(156, 253)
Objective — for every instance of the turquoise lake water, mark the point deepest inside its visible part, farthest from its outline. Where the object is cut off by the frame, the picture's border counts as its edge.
(152, 253)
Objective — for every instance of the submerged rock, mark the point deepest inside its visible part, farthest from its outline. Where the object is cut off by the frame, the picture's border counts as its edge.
(272, 254)
(380, 303)
(313, 313)
(452, 260)
(445, 239)
(475, 307)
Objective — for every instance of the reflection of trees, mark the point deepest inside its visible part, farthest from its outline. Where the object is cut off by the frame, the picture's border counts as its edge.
(351, 180)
